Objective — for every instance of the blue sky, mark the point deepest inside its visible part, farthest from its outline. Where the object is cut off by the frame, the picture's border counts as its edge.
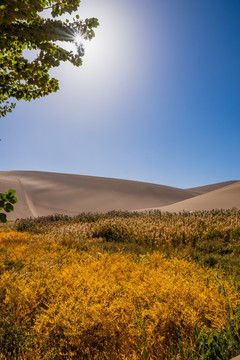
(157, 98)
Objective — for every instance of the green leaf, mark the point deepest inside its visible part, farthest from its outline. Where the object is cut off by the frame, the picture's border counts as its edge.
(11, 192)
(3, 218)
(10, 196)
(8, 207)
(22, 27)
(3, 197)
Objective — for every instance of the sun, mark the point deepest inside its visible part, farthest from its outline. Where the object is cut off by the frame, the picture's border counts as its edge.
(78, 39)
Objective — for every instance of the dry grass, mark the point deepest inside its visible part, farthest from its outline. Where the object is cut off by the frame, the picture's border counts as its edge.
(115, 287)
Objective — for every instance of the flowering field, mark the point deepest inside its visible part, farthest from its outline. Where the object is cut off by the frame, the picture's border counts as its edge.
(119, 287)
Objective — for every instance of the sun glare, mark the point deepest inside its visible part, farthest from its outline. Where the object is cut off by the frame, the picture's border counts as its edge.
(78, 39)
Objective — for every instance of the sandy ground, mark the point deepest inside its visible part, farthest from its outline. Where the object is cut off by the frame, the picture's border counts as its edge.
(45, 193)
(236, 358)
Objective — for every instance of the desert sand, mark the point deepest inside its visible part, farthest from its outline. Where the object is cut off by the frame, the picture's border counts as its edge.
(226, 197)
(46, 193)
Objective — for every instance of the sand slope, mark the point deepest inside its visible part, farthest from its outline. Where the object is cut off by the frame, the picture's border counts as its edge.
(207, 188)
(45, 193)
(226, 197)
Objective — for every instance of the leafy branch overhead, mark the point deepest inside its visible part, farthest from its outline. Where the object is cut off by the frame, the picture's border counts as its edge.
(6, 203)
(23, 28)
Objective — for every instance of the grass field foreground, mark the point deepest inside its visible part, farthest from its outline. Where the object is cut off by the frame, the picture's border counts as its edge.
(95, 289)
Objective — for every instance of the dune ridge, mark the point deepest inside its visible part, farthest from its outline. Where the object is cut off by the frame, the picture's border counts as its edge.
(45, 193)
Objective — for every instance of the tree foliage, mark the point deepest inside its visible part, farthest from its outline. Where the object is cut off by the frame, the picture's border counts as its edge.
(24, 25)
(6, 203)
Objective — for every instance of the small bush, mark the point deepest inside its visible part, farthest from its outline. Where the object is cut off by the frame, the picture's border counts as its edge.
(111, 231)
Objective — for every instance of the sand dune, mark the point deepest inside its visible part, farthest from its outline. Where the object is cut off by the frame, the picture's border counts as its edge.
(207, 188)
(236, 358)
(226, 197)
(44, 193)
